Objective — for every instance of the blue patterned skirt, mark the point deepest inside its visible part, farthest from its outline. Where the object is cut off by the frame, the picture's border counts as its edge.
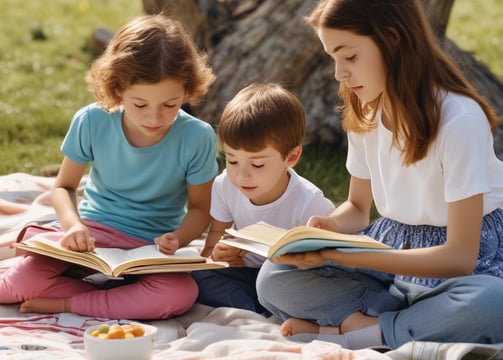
(403, 236)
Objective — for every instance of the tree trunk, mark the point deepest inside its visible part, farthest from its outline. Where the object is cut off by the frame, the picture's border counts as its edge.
(267, 40)
(438, 13)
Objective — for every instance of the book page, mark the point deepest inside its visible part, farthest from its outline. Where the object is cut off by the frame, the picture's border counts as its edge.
(53, 249)
(182, 267)
(112, 261)
(248, 245)
(260, 232)
(146, 255)
(303, 232)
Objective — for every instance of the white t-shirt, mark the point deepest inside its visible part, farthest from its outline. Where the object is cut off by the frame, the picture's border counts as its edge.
(460, 163)
(301, 200)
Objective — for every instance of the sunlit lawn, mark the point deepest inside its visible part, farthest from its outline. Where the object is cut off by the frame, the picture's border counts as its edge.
(44, 53)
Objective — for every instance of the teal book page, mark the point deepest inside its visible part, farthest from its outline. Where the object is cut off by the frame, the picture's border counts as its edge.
(306, 245)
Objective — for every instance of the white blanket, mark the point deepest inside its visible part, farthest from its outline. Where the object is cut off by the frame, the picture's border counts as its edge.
(201, 333)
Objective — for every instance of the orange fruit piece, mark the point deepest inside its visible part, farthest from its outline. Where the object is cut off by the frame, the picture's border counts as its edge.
(133, 329)
(116, 333)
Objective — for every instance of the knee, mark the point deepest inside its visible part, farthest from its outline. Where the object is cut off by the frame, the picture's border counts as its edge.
(184, 288)
(175, 294)
(481, 296)
(272, 282)
(486, 296)
(265, 281)
(483, 309)
(28, 277)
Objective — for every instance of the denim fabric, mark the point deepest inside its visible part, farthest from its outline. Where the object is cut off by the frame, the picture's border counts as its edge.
(230, 287)
(325, 295)
(462, 309)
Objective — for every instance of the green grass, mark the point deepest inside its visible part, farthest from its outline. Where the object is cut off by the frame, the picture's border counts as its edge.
(326, 168)
(44, 54)
(476, 26)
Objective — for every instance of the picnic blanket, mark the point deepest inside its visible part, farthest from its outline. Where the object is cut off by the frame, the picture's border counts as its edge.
(202, 333)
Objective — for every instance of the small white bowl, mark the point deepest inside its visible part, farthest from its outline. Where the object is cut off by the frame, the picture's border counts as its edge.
(138, 348)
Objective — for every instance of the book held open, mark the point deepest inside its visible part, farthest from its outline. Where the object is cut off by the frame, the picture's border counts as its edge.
(115, 262)
(271, 241)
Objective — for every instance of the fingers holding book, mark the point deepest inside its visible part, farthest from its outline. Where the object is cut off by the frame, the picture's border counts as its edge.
(78, 238)
(230, 254)
(167, 243)
(302, 260)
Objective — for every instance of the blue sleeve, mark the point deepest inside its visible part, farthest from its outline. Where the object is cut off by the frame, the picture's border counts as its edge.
(77, 142)
(203, 165)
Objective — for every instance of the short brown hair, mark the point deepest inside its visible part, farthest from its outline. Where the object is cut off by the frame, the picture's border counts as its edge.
(261, 115)
(149, 49)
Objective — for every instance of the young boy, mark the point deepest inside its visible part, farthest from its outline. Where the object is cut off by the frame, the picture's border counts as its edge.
(262, 130)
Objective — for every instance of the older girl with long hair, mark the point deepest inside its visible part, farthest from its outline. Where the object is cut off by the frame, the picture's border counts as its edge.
(420, 148)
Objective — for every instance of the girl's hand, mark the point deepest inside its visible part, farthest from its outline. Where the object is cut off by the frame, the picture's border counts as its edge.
(230, 254)
(322, 222)
(206, 251)
(78, 238)
(301, 260)
(168, 243)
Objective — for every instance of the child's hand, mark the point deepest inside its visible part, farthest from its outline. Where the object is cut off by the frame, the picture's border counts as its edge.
(206, 251)
(301, 260)
(230, 254)
(168, 243)
(78, 238)
(322, 222)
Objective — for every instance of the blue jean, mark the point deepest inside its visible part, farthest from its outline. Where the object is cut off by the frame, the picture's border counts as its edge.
(230, 287)
(462, 309)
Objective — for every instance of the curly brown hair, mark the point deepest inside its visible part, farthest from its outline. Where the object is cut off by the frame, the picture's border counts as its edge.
(149, 49)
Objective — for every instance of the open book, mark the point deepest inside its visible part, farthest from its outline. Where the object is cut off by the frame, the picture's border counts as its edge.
(115, 262)
(271, 241)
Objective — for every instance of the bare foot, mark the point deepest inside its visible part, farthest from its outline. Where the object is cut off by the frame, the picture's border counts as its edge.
(294, 326)
(46, 306)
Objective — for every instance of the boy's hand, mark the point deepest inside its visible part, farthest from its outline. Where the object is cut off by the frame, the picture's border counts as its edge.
(168, 243)
(229, 254)
(78, 238)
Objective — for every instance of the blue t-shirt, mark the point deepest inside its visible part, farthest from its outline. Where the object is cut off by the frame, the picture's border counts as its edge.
(139, 191)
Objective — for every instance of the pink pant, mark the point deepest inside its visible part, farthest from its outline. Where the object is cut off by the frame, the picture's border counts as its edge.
(155, 296)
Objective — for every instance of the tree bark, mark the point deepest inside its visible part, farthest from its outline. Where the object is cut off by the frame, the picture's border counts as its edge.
(438, 14)
(267, 40)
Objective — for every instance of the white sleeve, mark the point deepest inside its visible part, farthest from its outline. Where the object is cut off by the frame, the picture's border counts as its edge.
(463, 145)
(219, 209)
(356, 161)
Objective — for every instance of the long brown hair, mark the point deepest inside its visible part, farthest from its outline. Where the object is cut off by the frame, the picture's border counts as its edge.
(416, 66)
(149, 49)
